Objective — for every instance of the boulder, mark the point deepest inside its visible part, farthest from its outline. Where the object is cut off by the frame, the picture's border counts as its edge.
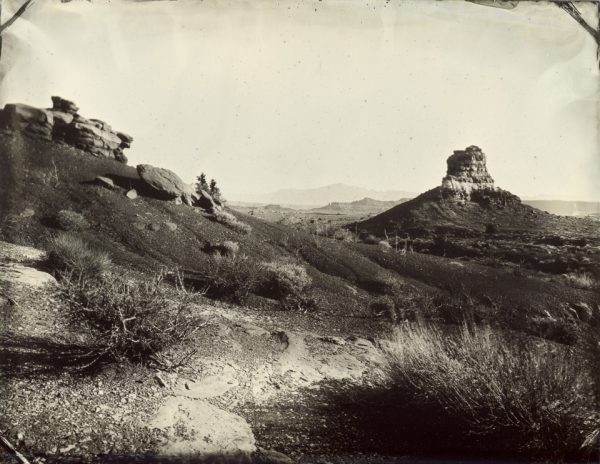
(206, 201)
(154, 227)
(131, 194)
(105, 182)
(165, 181)
(171, 226)
(125, 139)
(62, 104)
(209, 430)
(25, 118)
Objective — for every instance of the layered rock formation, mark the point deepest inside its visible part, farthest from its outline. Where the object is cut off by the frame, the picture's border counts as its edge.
(467, 179)
(63, 123)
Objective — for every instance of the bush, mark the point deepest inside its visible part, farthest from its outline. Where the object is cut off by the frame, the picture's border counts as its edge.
(371, 240)
(493, 392)
(384, 306)
(385, 246)
(232, 279)
(231, 221)
(491, 229)
(71, 221)
(131, 319)
(69, 254)
(281, 280)
(227, 249)
(584, 281)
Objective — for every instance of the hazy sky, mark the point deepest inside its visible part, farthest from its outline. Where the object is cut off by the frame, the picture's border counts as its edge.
(265, 95)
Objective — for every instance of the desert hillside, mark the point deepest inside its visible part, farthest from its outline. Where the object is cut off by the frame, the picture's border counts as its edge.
(144, 319)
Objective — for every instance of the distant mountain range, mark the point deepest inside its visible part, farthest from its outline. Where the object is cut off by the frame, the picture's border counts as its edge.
(321, 196)
(364, 206)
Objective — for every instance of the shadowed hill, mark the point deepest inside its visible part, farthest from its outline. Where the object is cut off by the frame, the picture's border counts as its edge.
(468, 199)
(41, 178)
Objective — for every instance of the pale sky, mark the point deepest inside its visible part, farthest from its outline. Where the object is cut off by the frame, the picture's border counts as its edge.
(265, 95)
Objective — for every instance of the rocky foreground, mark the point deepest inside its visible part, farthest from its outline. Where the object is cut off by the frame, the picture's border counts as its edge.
(243, 362)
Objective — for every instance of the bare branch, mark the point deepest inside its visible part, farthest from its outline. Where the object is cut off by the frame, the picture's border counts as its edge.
(16, 16)
(570, 8)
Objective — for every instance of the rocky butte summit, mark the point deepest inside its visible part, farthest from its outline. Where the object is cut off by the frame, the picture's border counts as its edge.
(467, 198)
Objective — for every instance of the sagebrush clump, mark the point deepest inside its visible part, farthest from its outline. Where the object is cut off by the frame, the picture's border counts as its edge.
(130, 319)
(280, 280)
(230, 278)
(226, 249)
(231, 221)
(69, 254)
(582, 280)
(491, 389)
(71, 220)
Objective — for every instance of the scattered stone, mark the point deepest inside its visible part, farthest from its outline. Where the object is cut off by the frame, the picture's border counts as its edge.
(67, 448)
(207, 387)
(154, 227)
(27, 213)
(105, 182)
(583, 311)
(272, 457)
(131, 194)
(160, 380)
(171, 226)
(178, 201)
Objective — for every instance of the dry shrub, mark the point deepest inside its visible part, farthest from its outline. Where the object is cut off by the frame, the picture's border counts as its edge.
(69, 254)
(130, 319)
(227, 249)
(371, 240)
(537, 399)
(584, 281)
(231, 279)
(384, 246)
(71, 220)
(231, 221)
(280, 280)
(384, 306)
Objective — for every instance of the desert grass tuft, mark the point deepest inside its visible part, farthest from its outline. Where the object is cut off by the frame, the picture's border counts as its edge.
(69, 254)
(539, 397)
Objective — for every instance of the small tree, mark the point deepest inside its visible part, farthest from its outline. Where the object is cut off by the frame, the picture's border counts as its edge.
(201, 183)
(214, 190)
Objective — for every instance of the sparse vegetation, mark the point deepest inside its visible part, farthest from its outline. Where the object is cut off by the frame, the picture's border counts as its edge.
(384, 306)
(232, 279)
(282, 280)
(71, 220)
(491, 229)
(490, 389)
(130, 319)
(231, 221)
(226, 249)
(582, 280)
(69, 254)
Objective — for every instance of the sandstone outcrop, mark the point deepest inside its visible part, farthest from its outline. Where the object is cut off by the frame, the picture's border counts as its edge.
(467, 179)
(166, 182)
(63, 123)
